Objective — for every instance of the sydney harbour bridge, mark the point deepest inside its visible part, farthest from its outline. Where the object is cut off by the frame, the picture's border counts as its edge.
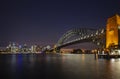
(104, 37)
(81, 35)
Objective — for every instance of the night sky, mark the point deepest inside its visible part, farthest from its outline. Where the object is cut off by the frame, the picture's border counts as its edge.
(45, 21)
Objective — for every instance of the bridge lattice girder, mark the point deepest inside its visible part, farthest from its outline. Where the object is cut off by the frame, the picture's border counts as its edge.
(83, 35)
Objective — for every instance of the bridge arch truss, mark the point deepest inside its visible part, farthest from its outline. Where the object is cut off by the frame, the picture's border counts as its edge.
(81, 35)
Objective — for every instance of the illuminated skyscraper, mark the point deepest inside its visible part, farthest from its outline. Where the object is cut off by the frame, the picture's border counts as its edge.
(33, 49)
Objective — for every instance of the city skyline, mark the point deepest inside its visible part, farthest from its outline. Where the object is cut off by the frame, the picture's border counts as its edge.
(44, 22)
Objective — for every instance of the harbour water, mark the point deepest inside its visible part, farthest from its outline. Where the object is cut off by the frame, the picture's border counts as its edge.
(65, 66)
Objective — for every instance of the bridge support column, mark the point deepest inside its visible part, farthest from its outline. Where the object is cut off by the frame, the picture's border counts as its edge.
(56, 50)
(112, 31)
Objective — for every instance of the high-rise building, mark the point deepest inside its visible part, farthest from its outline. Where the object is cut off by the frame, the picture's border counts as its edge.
(33, 48)
(12, 48)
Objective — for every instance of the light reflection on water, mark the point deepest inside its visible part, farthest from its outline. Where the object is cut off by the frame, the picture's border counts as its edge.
(71, 66)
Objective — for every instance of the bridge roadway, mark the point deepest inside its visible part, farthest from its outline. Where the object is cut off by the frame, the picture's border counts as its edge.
(93, 36)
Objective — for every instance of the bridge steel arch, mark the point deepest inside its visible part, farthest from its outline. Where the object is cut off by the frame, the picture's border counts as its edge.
(83, 35)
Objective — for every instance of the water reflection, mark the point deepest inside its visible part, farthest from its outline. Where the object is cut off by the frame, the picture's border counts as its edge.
(72, 66)
(13, 59)
(83, 57)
